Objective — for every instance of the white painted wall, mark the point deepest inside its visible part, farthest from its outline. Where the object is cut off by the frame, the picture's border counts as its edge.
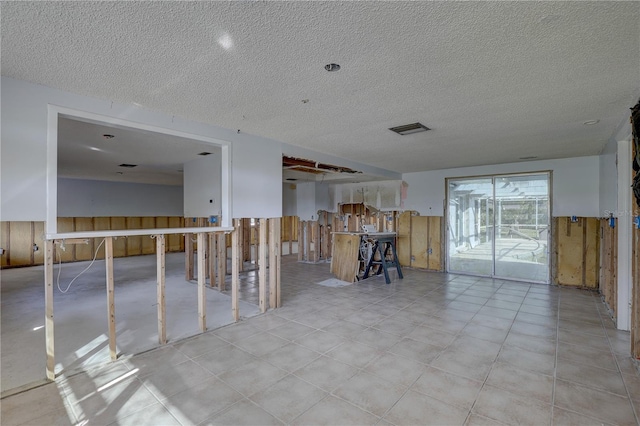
(306, 201)
(257, 177)
(576, 185)
(322, 198)
(202, 186)
(609, 180)
(256, 189)
(93, 198)
(289, 201)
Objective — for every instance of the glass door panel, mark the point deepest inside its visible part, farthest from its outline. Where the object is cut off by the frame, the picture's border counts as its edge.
(522, 227)
(470, 226)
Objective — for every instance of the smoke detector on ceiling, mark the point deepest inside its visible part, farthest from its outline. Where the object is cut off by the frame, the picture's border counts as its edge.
(408, 129)
(332, 67)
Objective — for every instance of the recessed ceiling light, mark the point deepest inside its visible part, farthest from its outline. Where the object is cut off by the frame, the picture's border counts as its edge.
(530, 157)
(128, 165)
(408, 129)
(305, 101)
(108, 136)
(591, 122)
(204, 153)
(93, 148)
(332, 67)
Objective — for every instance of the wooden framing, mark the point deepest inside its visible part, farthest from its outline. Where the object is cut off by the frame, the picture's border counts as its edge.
(222, 261)
(202, 276)
(262, 264)
(316, 241)
(71, 239)
(577, 253)
(609, 264)
(111, 303)
(275, 300)
(235, 268)
(160, 274)
(301, 243)
(188, 257)
(211, 259)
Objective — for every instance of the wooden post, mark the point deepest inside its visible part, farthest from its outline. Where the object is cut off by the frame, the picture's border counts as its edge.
(202, 295)
(211, 259)
(316, 241)
(307, 241)
(188, 261)
(262, 272)
(293, 222)
(235, 268)
(300, 240)
(222, 260)
(274, 262)
(160, 272)
(48, 302)
(111, 307)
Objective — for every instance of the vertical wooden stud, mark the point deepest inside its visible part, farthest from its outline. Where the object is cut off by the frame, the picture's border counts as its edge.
(211, 259)
(48, 301)
(202, 295)
(293, 222)
(262, 272)
(188, 257)
(160, 274)
(222, 260)
(274, 263)
(235, 268)
(307, 241)
(300, 241)
(111, 306)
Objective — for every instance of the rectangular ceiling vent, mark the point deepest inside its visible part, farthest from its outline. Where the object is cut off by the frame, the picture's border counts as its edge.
(204, 154)
(128, 165)
(408, 129)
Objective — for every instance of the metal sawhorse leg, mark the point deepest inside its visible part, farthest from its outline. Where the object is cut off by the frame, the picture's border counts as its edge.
(383, 264)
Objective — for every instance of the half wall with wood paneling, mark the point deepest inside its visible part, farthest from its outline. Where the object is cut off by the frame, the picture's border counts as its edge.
(576, 253)
(420, 241)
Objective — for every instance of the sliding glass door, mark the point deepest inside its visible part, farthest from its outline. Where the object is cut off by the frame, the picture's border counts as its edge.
(499, 226)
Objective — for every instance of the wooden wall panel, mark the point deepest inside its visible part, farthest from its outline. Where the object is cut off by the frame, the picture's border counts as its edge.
(436, 254)
(20, 243)
(175, 241)
(100, 224)
(345, 266)
(120, 243)
(404, 238)
(609, 264)
(66, 253)
(419, 242)
(84, 251)
(4, 242)
(577, 254)
(134, 243)
(148, 244)
(38, 239)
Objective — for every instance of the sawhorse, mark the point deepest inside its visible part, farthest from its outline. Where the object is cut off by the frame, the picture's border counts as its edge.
(384, 264)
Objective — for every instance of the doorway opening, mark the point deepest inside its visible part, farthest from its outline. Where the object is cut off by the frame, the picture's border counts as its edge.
(499, 226)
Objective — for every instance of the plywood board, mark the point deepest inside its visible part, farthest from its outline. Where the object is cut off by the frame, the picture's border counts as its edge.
(38, 239)
(403, 246)
(100, 224)
(569, 256)
(84, 251)
(419, 242)
(4, 242)
(120, 243)
(436, 259)
(20, 243)
(148, 244)
(344, 262)
(591, 232)
(65, 224)
(134, 242)
(175, 241)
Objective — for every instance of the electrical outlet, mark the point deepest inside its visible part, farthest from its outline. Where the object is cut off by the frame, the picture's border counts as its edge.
(429, 250)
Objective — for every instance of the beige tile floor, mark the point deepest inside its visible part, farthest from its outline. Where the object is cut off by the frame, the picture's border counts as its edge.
(432, 349)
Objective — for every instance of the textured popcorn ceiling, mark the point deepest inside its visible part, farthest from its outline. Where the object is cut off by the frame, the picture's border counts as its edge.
(495, 81)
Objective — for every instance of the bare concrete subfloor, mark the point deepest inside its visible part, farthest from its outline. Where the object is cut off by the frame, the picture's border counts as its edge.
(81, 330)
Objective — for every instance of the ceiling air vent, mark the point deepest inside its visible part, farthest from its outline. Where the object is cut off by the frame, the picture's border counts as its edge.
(128, 165)
(408, 129)
(204, 153)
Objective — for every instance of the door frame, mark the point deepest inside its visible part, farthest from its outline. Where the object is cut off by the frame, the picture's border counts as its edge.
(447, 225)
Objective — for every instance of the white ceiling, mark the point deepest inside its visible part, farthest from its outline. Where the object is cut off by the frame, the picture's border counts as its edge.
(496, 81)
(84, 153)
